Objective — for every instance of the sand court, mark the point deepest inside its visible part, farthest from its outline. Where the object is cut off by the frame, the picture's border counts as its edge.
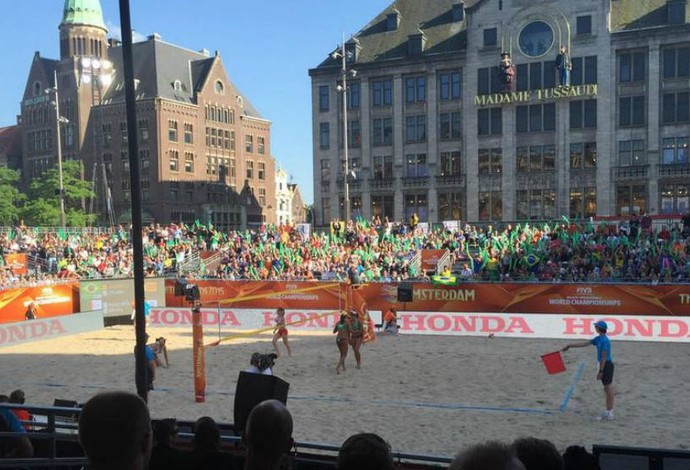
(424, 394)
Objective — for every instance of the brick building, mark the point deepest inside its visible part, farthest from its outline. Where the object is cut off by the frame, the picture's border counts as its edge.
(432, 128)
(204, 150)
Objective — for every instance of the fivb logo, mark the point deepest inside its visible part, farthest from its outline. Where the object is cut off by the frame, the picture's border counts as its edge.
(585, 290)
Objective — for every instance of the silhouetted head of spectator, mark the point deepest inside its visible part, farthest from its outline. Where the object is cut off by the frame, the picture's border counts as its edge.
(164, 432)
(18, 397)
(4, 399)
(490, 455)
(268, 435)
(206, 436)
(365, 451)
(577, 458)
(115, 431)
(538, 454)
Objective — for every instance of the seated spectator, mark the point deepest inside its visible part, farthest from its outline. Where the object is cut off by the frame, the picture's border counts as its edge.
(538, 454)
(164, 455)
(206, 454)
(577, 458)
(365, 451)
(13, 447)
(267, 436)
(390, 321)
(261, 363)
(17, 397)
(115, 431)
(491, 455)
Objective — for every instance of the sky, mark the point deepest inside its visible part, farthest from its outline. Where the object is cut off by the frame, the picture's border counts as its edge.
(267, 47)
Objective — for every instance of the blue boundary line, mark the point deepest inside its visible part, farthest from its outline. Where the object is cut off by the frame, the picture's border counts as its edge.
(571, 389)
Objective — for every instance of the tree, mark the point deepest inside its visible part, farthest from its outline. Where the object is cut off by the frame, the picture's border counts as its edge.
(10, 196)
(43, 207)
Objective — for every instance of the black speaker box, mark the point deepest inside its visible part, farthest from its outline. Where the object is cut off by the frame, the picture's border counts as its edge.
(191, 293)
(405, 292)
(180, 284)
(251, 390)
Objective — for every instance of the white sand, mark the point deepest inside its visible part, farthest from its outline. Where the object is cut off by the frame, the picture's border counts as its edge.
(497, 376)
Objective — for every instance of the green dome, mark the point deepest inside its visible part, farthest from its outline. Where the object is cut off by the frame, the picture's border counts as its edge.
(84, 12)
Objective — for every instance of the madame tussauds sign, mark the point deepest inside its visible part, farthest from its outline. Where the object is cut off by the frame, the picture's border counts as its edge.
(527, 96)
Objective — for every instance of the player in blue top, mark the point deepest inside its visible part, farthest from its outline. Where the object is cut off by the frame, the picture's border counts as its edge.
(605, 359)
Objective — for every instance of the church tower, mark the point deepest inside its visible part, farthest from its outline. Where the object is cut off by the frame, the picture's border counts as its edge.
(82, 30)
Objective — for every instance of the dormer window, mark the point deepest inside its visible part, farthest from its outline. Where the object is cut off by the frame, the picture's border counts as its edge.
(458, 12)
(220, 89)
(416, 43)
(393, 21)
(675, 11)
(37, 88)
(240, 101)
(177, 85)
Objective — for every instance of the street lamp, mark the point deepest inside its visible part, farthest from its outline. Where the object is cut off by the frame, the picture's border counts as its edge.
(342, 54)
(59, 120)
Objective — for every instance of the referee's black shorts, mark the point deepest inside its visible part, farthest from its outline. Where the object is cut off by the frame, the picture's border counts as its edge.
(607, 374)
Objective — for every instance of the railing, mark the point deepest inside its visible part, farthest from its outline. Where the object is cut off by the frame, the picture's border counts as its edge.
(443, 262)
(416, 263)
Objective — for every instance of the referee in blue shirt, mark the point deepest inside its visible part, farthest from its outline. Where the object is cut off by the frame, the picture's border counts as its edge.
(605, 359)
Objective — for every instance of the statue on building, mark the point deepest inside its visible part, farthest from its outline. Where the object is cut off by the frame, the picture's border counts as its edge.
(506, 72)
(563, 66)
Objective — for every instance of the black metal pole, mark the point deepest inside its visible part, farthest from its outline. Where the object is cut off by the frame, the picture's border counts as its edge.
(141, 370)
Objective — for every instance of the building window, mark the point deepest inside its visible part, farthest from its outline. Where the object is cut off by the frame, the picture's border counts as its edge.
(325, 170)
(416, 166)
(144, 159)
(675, 151)
(584, 71)
(631, 111)
(172, 130)
(354, 134)
(583, 114)
(490, 37)
(450, 206)
(450, 163)
(583, 202)
(535, 118)
(449, 85)
(631, 153)
(382, 207)
(232, 168)
(490, 161)
(382, 92)
(324, 101)
(383, 131)
(189, 162)
(123, 132)
(262, 196)
(490, 121)
(232, 140)
(174, 160)
(583, 155)
(144, 130)
(675, 107)
(490, 205)
(488, 81)
(535, 158)
(354, 96)
(631, 199)
(674, 198)
(583, 25)
(324, 135)
(536, 39)
(383, 167)
(226, 140)
(250, 170)
(107, 135)
(262, 171)
(415, 128)
(415, 89)
(261, 143)
(188, 133)
(416, 204)
(676, 62)
(450, 126)
(249, 143)
(536, 204)
(632, 67)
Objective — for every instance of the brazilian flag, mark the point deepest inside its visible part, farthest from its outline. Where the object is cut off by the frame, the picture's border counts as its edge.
(530, 260)
(444, 280)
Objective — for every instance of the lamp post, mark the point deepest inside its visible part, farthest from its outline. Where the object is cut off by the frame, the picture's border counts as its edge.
(58, 120)
(342, 54)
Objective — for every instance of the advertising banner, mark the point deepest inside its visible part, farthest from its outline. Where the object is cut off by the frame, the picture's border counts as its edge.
(430, 259)
(36, 330)
(18, 263)
(51, 301)
(116, 296)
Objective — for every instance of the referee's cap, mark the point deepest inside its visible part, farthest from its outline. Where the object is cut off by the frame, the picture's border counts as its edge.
(601, 324)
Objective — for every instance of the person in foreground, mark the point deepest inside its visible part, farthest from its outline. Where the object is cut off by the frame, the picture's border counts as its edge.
(606, 368)
(267, 436)
(365, 451)
(537, 454)
(115, 432)
(490, 455)
(13, 447)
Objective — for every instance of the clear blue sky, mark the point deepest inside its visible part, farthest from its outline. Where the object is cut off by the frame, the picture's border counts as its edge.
(267, 47)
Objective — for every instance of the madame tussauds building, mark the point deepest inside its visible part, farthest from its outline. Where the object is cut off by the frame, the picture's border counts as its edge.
(493, 110)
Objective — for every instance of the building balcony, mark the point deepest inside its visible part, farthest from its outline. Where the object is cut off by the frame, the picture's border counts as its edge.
(455, 181)
(675, 170)
(381, 183)
(354, 185)
(415, 181)
(628, 173)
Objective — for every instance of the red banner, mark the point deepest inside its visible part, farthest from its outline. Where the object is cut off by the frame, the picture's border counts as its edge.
(586, 299)
(18, 263)
(430, 259)
(51, 301)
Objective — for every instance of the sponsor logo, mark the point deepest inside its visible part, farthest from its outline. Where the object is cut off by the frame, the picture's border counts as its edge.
(684, 299)
(458, 295)
(17, 332)
(440, 322)
(630, 327)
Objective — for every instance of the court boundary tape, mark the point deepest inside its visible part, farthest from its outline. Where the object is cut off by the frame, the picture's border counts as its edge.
(571, 389)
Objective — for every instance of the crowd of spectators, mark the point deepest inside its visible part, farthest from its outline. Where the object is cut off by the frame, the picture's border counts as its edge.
(363, 251)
